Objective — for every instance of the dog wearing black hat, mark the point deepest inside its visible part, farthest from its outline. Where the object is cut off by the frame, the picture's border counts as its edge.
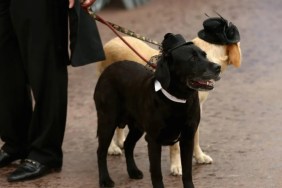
(169, 105)
(219, 39)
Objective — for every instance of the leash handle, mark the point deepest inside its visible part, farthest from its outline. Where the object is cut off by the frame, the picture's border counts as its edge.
(108, 24)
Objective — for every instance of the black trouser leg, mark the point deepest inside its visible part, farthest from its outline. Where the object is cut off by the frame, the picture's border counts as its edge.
(15, 100)
(41, 31)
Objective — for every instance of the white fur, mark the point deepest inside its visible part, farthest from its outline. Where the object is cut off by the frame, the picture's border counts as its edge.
(117, 143)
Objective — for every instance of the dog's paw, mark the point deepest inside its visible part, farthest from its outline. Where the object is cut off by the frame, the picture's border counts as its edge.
(176, 170)
(114, 149)
(203, 158)
(106, 182)
(135, 174)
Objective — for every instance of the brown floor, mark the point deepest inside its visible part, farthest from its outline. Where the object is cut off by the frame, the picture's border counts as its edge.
(241, 126)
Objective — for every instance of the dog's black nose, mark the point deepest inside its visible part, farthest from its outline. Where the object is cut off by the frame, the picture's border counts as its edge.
(217, 68)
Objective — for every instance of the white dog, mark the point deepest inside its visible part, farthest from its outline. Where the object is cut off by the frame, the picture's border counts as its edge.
(222, 54)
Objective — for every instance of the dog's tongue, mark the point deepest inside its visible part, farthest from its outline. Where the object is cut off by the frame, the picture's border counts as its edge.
(203, 85)
(208, 83)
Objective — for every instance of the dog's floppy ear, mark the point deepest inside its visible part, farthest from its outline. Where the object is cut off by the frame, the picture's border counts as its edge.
(162, 72)
(234, 54)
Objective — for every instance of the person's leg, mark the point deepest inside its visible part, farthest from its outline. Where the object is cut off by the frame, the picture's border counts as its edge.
(41, 27)
(15, 99)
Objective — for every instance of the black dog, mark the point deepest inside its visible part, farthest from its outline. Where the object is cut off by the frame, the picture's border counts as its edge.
(163, 104)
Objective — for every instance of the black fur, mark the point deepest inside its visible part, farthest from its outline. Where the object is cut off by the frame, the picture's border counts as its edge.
(125, 95)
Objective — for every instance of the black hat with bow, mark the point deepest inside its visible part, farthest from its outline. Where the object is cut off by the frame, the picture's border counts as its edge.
(217, 30)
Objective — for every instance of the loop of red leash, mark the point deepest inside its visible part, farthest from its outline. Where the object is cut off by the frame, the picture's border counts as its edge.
(98, 18)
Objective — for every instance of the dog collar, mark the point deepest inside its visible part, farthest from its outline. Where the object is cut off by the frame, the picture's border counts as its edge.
(158, 87)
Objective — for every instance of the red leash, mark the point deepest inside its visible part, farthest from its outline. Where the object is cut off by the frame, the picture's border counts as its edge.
(98, 18)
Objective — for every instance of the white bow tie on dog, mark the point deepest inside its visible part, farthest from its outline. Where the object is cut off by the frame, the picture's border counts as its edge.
(158, 87)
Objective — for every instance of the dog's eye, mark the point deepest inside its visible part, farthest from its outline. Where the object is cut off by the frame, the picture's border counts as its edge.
(193, 58)
(204, 54)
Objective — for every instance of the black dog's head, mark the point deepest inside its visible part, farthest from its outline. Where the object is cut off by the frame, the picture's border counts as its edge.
(186, 64)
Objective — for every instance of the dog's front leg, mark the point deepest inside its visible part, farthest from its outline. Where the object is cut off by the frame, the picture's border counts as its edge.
(175, 161)
(155, 150)
(199, 155)
(186, 152)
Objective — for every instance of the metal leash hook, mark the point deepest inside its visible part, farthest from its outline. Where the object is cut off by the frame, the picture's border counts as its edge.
(115, 27)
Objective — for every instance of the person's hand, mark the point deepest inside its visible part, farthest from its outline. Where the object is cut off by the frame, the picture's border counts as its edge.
(71, 3)
(84, 3)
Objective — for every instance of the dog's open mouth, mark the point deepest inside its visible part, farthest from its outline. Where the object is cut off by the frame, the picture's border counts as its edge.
(202, 85)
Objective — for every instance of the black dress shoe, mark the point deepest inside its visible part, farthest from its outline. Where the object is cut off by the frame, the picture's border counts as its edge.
(30, 169)
(6, 159)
